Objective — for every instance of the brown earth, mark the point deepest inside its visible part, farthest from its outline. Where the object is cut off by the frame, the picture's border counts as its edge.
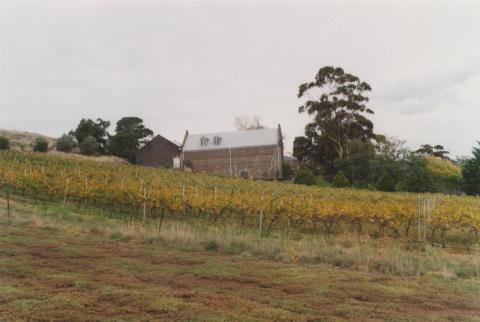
(52, 274)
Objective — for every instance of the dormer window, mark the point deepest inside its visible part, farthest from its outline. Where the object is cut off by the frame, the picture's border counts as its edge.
(204, 141)
(217, 140)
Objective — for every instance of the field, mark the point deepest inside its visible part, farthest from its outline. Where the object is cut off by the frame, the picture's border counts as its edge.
(150, 193)
(85, 264)
(83, 240)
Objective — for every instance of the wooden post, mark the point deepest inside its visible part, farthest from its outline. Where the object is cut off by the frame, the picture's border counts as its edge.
(183, 198)
(260, 221)
(418, 219)
(144, 204)
(66, 191)
(424, 220)
(8, 203)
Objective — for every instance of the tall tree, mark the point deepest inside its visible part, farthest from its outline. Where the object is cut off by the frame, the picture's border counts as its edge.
(97, 130)
(416, 176)
(390, 157)
(471, 173)
(130, 135)
(357, 166)
(436, 151)
(340, 112)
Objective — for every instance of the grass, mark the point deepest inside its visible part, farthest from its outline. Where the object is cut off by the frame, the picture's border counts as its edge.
(84, 264)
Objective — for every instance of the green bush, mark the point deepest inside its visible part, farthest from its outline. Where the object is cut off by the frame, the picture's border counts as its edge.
(187, 164)
(340, 181)
(321, 182)
(417, 177)
(4, 143)
(287, 171)
(89, 146)
(385, 183)
(40, 145)
(65, 143)
(305, 176)
(471, 173)
(211, 246)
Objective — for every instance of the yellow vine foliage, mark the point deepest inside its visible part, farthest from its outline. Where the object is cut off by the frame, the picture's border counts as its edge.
(134, 187)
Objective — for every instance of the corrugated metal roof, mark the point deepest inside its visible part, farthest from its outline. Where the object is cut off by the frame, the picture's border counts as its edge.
(234, 139)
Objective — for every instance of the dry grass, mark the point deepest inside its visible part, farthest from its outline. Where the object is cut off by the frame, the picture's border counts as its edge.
(355, 252)
(76, 265)
(79, 157)
(23, 141)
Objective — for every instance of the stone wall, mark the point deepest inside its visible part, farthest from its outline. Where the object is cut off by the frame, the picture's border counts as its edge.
(264, 162)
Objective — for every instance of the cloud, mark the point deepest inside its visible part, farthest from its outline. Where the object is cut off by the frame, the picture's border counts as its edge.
(198, 64)
(426, 92)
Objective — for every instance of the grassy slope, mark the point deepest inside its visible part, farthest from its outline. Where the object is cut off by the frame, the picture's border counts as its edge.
(24, 140)
(75, 265)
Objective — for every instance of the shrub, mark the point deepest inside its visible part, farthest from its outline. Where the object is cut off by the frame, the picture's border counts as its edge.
(471, 173)
(211, 246)
(187, 164)
(385, 183)
(40, 145)
(4, 143)
(321, 182)
(417, 177)
(340, 181)
(305, 176)
(287, 171)
(65, 143)
(89, 146)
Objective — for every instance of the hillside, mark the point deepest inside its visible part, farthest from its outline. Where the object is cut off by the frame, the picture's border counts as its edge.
(23, 141)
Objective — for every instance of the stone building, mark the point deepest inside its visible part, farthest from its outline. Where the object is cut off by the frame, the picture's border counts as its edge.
(254, 154)
(159, 153)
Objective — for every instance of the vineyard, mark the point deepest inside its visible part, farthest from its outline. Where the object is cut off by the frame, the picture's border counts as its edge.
(148, 193)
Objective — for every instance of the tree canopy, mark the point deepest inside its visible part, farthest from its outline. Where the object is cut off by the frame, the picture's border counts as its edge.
(130, 135)
(40, 145)
(65, 143)
(89, 146)
(97, 130)
(436, 151)
(471, 173)
(340, 112)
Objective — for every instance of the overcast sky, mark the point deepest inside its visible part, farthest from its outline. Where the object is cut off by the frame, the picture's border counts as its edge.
(197, 65)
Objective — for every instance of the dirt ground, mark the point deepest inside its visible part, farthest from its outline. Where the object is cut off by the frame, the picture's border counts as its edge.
(50, 274)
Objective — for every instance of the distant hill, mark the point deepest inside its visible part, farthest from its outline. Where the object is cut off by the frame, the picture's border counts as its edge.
(23, 141)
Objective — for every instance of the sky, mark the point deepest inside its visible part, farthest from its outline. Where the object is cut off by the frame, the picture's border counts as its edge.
(197, 65)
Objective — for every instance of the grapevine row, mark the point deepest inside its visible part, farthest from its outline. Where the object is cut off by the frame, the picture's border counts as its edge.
(282, 204)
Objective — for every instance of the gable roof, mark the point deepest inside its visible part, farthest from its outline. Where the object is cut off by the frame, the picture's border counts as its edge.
(233, 139)
(159, 138)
